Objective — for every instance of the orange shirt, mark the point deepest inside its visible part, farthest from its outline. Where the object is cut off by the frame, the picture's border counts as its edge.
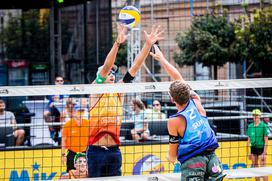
(106, 118)
(76, 135)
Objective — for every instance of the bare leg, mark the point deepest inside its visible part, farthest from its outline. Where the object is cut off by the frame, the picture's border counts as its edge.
(263, 164)
(48, 119)
(20, 136)
(134, 135)
(255, 164)
(145, 136)
(46, 116)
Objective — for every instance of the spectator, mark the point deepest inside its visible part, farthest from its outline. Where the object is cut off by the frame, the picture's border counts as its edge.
(75, 135)
(66, 115)
(258, 140)
(70, 103)
(155, 113)
(140, 130)
(52, 114)
(80, 171)
(6, 118)
(84, 105)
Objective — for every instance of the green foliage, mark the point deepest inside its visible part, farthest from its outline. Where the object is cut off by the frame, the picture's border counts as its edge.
(28, 37)
(213, 40)
(209, 41)
(254, 35)
(121, 59)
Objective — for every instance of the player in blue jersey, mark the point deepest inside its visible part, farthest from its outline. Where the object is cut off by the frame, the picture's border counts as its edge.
(191, 140)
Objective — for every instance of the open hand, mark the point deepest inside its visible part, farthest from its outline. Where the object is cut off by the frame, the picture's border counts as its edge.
(154, 36)
(171, 160)
(122, 33)
(158, 54)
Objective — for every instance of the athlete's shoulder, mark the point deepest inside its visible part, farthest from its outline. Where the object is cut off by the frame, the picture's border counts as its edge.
(175, 121)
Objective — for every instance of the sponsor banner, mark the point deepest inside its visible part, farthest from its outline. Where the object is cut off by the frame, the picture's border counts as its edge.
(46, 164)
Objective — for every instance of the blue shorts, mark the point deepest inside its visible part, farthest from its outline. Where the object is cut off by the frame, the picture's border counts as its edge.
(104, 161)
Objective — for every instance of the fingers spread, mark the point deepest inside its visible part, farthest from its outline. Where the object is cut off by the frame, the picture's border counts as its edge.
(152, 54)
(157, 29)
(153, 28)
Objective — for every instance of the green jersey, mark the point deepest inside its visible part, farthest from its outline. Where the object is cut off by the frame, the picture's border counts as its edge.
(257, 134)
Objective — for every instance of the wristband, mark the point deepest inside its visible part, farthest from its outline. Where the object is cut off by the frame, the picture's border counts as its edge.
(99, 79)
(128, 78)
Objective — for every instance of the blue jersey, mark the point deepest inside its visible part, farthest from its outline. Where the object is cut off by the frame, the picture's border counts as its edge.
(198, 135)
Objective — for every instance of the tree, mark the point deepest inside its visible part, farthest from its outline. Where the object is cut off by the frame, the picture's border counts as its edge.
(254, 35)
(209, 41)
(28, 37)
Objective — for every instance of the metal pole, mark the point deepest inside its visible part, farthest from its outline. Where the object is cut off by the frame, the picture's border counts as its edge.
(97, 31)
(85, 40)
(2, 41)
(61, 64)
(191, 8)
(52, 44)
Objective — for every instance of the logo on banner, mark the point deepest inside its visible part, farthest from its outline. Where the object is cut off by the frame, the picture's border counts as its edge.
(150, 87)
(25, 175)
(149, 164)
(76, 89)
(4, 91)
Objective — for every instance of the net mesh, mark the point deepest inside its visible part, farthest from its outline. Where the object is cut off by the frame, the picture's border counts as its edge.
(228, 103)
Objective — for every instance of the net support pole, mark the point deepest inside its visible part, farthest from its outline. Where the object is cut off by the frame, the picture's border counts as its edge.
(134, 43)
(55, 42)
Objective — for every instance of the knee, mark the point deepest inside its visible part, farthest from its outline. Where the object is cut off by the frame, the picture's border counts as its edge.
(46, 114)
(21, 133)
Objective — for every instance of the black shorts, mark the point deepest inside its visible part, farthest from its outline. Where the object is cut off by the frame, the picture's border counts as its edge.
(257, 151)
(70, 160)
(56, 116)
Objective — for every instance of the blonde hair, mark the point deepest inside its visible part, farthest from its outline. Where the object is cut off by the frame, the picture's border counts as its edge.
(138, 103)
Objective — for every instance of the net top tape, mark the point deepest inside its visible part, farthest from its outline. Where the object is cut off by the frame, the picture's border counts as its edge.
(76, 89)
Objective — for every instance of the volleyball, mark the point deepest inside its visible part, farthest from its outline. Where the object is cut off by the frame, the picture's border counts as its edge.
(129, 16)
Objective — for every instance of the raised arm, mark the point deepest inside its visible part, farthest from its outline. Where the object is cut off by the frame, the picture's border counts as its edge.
(110, 59)
(169, 68)
(150, 39)
(175, 75)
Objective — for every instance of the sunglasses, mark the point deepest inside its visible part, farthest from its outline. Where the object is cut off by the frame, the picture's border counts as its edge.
(111, 73)
(156, 104)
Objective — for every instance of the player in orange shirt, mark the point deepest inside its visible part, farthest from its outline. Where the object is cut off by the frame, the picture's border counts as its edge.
(75, 133)
(104, 156)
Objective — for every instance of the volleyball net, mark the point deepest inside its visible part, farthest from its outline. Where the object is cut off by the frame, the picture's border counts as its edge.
(228, 103)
